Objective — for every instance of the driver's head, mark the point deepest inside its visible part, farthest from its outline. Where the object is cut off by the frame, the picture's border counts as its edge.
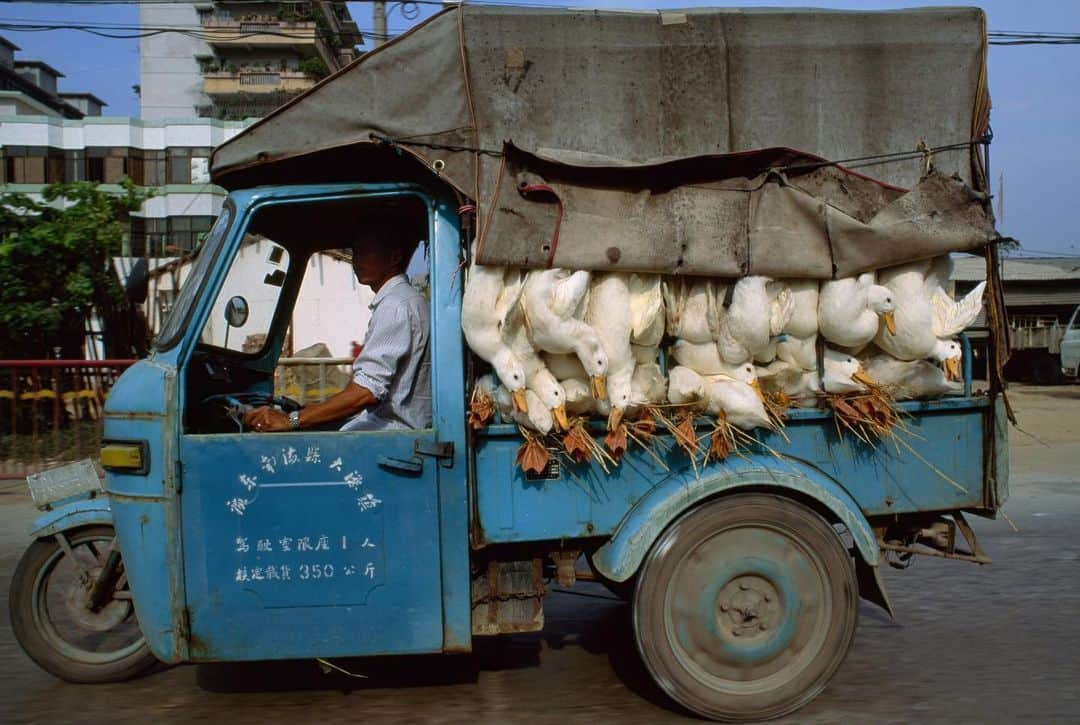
(382, 248)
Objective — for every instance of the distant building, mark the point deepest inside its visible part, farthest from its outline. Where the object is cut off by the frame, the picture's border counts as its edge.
(1045, 287)
(1041, 296)
(28, 88)
(173, 158)
(248, 58)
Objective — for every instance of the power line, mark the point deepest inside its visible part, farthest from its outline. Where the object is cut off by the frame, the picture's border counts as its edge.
(122, 31)
(1020, 37)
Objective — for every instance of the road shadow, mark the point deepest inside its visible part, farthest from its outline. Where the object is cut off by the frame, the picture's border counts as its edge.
(600, 625)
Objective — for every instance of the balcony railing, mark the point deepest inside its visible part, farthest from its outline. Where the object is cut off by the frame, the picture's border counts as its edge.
(259, 32)
(216, 83)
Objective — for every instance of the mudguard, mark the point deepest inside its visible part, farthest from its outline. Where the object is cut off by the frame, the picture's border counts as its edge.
(81, 512)
(620, 557)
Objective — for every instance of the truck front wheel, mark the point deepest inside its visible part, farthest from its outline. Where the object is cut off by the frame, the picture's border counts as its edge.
(745, 607)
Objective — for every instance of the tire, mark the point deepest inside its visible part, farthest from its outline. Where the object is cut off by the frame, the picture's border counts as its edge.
(745, 607)
(47, 614)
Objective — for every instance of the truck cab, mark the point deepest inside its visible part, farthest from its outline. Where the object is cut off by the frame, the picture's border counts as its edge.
(316, 531)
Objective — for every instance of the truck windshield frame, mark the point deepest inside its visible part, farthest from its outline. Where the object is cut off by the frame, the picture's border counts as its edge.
(173, 329)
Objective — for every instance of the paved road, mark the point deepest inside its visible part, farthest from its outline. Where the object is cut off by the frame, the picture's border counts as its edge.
(971, 644)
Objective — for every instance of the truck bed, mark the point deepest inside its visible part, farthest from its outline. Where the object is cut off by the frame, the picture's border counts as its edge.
(941, 460)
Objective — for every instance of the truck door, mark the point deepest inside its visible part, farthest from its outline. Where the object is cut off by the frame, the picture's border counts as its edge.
(306, 543)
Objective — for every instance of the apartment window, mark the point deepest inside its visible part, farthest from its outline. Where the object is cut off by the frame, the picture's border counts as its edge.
(153, 171)
(75, 165)
(54, 167)
(24, 165)
(179, 166)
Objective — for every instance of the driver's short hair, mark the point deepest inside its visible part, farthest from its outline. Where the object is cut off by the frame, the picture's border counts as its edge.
(390, 231)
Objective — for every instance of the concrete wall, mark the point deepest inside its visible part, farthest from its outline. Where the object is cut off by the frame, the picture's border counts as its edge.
(332, 307)
(169, 74)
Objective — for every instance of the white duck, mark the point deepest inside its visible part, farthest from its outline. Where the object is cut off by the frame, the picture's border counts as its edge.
(781, 309)
(851, 310)
(608, 313)
(536, 416)
(579, 399)
(736, 395)
(646, 316)
(842, 373)
(537, 377)
(701, 357)
(800, 344)
(554, 301)
(910, 379)
(751, 320)
(927, 316)
(948, 354)
(488, 322)
(685, 386)
(913, 335)
(692, 308)
(647, 386)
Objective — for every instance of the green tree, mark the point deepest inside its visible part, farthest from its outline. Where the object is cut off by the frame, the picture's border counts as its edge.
(55, 264)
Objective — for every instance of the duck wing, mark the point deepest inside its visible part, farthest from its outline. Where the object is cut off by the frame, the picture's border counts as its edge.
(568, 293)
(646, 307)
(951, 317)
(780, 311)
(506, 304)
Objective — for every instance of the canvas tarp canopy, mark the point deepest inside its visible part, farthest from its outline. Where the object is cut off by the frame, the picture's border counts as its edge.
(602, 140)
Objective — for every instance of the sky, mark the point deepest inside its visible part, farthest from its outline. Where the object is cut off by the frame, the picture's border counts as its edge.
(1035, 116)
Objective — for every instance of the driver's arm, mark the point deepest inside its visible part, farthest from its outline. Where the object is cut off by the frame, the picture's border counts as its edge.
(388, 340)
(343, 404)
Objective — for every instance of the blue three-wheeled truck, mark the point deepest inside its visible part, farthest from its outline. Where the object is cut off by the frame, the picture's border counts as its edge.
(211, 543)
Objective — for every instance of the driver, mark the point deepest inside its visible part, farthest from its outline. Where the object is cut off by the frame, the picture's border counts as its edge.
(391, 383)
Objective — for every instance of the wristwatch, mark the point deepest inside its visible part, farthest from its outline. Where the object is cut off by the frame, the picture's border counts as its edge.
(294, 419)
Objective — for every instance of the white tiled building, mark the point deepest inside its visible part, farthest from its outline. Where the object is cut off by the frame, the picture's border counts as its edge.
(171, 157)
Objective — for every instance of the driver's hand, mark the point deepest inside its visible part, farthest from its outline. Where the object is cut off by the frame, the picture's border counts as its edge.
(266, 420)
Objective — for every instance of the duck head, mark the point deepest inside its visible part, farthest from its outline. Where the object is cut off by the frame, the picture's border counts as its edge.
(747, 373)
(552, 396)
(880, 300)
(844, 373)
(595, 361)
(948, 354)
(512, 375)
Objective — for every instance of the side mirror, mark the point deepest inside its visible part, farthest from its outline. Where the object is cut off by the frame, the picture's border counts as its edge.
(236, 311)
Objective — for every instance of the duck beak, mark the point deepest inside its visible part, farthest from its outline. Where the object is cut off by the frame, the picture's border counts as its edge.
(861, 376)
(889, 318)
(614, 418)
(952, 369)
(599, 386)
(756, 385)
(521, 405)
(561, 421)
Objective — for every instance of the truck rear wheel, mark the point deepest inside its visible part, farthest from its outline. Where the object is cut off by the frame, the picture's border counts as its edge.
(745, 607)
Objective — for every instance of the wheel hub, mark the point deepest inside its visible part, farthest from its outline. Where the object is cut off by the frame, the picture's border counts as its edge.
(110, 615)
(748, 605)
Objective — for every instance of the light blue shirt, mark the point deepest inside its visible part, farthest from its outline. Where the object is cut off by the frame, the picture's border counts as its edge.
(395, 364)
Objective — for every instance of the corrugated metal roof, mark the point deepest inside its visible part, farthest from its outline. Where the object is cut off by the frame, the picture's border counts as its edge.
(973, 269)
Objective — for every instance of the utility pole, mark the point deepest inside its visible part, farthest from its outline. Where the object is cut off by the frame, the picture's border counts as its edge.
(378, 10)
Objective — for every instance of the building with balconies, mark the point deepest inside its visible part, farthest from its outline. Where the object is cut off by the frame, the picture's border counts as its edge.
(244, 59)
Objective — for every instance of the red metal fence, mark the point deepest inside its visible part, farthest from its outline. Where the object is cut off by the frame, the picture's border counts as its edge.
(51, 411)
